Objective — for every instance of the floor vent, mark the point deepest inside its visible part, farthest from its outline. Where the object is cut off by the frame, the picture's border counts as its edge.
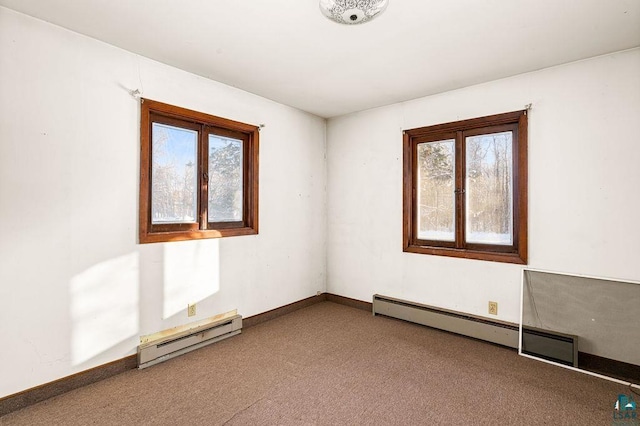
(167, 347)
(550, 345)
(498, 332)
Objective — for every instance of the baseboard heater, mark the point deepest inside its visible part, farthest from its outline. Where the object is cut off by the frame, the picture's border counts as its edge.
(167, 347)
(550, 345)
(498, 332)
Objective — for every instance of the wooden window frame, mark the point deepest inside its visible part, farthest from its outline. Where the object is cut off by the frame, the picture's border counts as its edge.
(516, 253)
(153, 111)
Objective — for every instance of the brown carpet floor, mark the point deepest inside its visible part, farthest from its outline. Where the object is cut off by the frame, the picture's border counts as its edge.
(329, 364)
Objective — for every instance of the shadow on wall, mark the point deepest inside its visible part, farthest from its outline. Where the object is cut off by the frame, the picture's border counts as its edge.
(105, 300)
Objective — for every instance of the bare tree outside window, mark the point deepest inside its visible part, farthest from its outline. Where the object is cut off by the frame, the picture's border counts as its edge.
(225, 179)
(489, 189)
(436, 185)
(174, 156)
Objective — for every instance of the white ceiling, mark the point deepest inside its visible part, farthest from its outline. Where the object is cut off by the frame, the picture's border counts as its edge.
(286, 50)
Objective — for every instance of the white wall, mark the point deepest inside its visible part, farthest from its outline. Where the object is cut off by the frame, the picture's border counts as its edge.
(76, 290)
(584, 170)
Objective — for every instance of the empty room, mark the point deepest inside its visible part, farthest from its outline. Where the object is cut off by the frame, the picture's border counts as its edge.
(321, 212)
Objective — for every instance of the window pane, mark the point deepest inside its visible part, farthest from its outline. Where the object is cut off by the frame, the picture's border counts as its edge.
(173, 174)
(436, 201)
(489, 178)
(225, 179)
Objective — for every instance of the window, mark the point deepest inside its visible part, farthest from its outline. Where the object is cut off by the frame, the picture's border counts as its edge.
(198, 175)
(465, 189)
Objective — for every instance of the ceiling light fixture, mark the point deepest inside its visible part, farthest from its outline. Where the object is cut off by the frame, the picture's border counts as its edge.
(352, 11)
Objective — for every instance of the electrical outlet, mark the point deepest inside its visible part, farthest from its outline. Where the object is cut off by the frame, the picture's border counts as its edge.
(493, 308)
(191, 310)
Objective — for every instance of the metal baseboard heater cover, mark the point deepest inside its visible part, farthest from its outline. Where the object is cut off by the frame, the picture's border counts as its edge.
(156, 351)
(498, 332)
(546, 344)
(550, 345)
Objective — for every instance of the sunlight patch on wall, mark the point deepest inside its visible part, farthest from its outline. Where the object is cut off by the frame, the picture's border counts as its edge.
(104, 306)
(191, 273)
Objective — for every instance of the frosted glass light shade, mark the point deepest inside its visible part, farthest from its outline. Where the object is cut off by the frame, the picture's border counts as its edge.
(352, 11)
